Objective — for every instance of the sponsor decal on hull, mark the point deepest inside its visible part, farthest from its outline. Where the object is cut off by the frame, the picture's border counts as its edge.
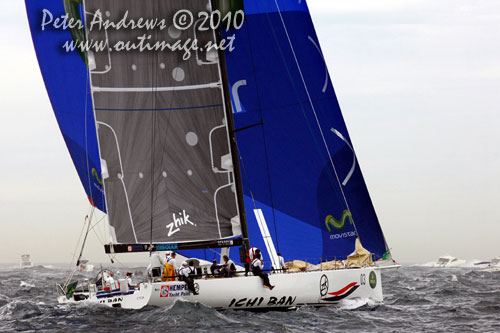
(175, 290)
(336, 295)
(111, 300)
(262, 301)
(372, 279)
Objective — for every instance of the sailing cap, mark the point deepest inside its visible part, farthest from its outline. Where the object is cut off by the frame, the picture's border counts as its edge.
(184, 263)
(168, 253)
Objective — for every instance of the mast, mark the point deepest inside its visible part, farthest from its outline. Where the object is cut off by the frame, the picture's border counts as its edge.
(232, 134)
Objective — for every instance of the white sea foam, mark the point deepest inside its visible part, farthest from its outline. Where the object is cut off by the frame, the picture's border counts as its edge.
(26, 285)
(356, 303)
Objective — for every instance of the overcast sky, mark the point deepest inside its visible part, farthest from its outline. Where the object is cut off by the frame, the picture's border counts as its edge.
(418, 82)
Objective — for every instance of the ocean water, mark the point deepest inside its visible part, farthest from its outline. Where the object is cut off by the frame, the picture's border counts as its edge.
(417, 299)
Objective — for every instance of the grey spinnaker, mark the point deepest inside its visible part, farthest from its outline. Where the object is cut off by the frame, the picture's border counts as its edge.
(162, 132)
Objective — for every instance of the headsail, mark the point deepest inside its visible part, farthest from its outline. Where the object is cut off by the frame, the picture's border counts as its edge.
(299, 162)
(162, 131)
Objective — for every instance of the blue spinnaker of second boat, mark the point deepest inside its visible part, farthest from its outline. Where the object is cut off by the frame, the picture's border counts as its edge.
(66, 80)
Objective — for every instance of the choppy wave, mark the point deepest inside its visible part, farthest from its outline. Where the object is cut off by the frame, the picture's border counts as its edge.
(416, 299)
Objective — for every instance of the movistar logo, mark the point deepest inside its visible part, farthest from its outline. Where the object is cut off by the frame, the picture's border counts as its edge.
(330, 221)
(95, 174)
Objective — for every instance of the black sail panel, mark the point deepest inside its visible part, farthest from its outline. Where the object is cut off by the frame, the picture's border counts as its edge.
(162, 130)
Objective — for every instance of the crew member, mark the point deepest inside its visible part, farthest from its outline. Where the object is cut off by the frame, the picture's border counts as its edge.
(170, 267)
(192, 269)
(228, 267)
(129, 280)
(249, 258)
(109, 280)
(184, 276)
(281, 262)
(156, 264)
(256, 266)
(214, 268)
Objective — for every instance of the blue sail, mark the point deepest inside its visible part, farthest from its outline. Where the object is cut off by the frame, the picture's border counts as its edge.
(66, 80)
(297, 160)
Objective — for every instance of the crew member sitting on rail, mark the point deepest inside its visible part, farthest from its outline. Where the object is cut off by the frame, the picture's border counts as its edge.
(228, 267)
(256, 266)
(214, 268)
(184, 276)
(170, 268)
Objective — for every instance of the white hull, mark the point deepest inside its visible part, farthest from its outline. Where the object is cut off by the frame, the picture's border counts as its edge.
(449, 262)
(318, 288)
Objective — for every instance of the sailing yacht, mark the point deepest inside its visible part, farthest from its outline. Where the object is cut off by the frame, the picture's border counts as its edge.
(210, 151)
(493, 265)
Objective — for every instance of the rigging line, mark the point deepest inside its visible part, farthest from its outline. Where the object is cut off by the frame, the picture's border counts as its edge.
(102, 193)
(298, 103)
(266, 155)
(86, 235)
(78, 242)
(83, 246)
(314, 110)
(153, 113)
(86, 135)
(247, 179)
(261, 123)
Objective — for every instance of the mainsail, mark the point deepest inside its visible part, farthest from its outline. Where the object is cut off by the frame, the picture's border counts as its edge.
(164, 163)
(162, 131)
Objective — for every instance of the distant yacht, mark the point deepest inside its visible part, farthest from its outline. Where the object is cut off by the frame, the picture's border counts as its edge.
(448, 261)
(26, 261)
(493, 265)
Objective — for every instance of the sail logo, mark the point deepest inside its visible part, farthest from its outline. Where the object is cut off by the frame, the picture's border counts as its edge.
(179, 221)
(330, 221)
(95, 174)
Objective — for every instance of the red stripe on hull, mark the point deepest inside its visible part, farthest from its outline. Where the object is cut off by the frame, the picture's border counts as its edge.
(343, 290)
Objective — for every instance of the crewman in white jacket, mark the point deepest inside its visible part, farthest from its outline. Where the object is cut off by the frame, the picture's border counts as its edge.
(186, 277)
